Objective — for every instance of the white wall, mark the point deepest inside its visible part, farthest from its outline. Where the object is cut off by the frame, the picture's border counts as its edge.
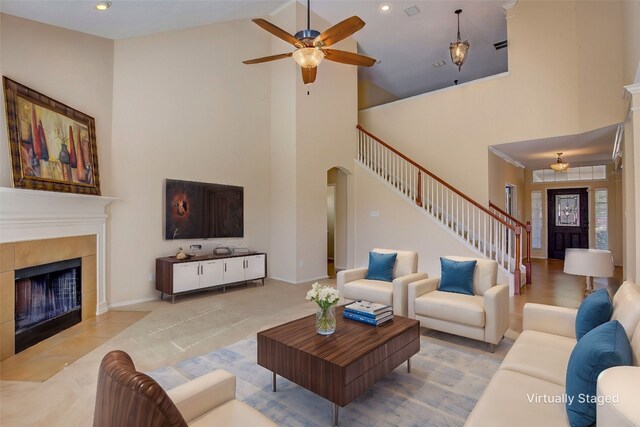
(550, 90)
(185, 107)
(71, 67)
(399, 225)
(324, 123)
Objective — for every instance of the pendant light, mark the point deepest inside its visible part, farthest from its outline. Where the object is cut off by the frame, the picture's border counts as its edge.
(459, 48)
(559, 165)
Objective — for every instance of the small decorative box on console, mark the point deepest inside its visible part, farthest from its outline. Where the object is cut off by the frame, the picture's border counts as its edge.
(222, 250)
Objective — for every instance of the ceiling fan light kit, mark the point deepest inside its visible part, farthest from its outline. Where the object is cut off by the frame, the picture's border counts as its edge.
(559, 165)
(459, 48)
(312, 46)
(308, 57)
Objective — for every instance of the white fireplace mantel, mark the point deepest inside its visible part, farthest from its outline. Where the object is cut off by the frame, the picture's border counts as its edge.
(34, 215)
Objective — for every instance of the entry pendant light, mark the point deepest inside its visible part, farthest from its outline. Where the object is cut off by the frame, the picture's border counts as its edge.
(459, 49)
(559, 165)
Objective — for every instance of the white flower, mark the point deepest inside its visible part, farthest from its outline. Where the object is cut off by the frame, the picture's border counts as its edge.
(324, 296)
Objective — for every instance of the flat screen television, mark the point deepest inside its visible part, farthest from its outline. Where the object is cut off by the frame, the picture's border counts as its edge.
(199, 210)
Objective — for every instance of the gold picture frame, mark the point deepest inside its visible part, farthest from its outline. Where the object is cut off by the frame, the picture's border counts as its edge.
(52, 146)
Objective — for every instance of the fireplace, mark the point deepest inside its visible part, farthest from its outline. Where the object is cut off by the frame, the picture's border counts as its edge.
(47, 300)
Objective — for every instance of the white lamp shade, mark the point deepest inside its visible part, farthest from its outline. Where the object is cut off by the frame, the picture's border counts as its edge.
(588, 262)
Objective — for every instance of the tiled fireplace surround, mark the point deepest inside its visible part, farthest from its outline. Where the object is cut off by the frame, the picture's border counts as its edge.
(40, 227)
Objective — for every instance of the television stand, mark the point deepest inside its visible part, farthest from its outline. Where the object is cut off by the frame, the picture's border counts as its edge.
(206, 272)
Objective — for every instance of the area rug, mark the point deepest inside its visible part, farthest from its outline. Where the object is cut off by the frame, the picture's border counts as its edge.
(447, 377)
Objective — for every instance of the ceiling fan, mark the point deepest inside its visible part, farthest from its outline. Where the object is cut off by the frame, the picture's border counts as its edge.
(312, 46)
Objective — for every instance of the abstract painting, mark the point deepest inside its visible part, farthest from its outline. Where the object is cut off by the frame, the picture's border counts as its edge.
(53, 146)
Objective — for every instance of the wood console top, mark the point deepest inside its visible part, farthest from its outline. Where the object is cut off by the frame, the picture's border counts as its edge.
(205, 257)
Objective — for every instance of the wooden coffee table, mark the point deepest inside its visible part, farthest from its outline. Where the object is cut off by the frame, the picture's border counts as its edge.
(341, 366)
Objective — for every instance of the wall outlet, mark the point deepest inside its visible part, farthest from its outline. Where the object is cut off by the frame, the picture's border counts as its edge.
(374, 213)
(151, 277)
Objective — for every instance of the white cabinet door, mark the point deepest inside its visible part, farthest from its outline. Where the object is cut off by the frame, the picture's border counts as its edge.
(211, 273)
(254, 267)
(185, 276)
(234, 270)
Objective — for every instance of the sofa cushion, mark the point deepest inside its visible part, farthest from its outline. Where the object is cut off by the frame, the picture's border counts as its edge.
(514, 399)
(381, 266)
(603, 347)
(595, 310)
(452, 307)
(635, 347)
(233, 413)
(369, 290)
(456, 276)
(406, 261)
(540, 355)
(625, 307)
(485, 275)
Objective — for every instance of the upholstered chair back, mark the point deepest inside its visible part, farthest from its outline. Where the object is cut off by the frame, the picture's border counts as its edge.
(625, 307)
(128, 398)
(484, 276)
(635, 347)
(406, 261)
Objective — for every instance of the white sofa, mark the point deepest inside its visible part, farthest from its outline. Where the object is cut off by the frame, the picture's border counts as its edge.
(353, 285)
(483, 316)
(536, 366)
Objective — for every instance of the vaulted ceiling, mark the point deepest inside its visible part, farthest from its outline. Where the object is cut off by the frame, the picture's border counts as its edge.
(406, 46)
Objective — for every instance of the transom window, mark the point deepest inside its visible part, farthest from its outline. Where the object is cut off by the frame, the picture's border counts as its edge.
(581, 173)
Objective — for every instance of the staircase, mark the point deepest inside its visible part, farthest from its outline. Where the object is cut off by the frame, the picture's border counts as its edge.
(488, 233)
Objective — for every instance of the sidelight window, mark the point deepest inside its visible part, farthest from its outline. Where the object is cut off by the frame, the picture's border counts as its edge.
(536, 219)
(602, 207)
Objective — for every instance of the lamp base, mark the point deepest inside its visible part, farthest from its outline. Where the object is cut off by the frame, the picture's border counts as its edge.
(589, 285)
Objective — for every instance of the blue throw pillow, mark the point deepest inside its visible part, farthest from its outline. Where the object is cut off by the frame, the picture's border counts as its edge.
(381, 266)
(456, 276)
(601, 348)
(595, 310)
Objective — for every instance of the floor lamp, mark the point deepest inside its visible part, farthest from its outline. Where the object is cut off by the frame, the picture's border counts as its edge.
(590, 263)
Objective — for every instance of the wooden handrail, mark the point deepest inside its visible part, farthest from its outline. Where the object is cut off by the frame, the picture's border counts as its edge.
(512, 218)
(440, 180)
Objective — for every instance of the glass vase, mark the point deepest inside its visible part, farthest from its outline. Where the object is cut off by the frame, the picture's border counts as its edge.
(326, 320)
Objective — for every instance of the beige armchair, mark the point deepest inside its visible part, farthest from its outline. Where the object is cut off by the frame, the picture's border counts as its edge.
(353, 285)
(128, 398)
(483, 316)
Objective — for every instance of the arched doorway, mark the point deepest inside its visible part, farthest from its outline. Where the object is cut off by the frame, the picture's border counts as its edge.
(336, 220)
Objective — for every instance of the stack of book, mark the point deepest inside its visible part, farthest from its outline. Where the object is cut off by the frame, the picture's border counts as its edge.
(368, 312)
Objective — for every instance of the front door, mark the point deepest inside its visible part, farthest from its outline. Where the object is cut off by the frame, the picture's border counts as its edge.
(568, 220)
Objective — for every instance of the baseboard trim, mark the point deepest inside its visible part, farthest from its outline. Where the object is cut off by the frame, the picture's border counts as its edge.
(132, 301)
(311, 280)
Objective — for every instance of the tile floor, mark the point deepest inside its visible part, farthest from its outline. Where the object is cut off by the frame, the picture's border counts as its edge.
(47, 358)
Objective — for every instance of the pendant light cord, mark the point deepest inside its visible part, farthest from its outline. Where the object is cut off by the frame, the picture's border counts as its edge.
(309, 18)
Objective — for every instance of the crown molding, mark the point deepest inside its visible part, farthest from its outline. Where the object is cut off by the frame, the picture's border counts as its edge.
(509, 5)
(506, 157)
(633, 89)
(508, 13)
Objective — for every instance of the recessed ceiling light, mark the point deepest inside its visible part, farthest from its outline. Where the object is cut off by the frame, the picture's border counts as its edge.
(412, 11)
(103, 5)
(385, 8)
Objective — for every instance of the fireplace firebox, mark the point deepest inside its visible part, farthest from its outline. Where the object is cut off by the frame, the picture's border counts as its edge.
(48, 300)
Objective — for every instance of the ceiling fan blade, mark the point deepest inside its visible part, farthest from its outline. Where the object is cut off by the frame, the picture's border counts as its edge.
(350, 58)
(278, 32)
(267, 58)
(341, 30)
(309, 74)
